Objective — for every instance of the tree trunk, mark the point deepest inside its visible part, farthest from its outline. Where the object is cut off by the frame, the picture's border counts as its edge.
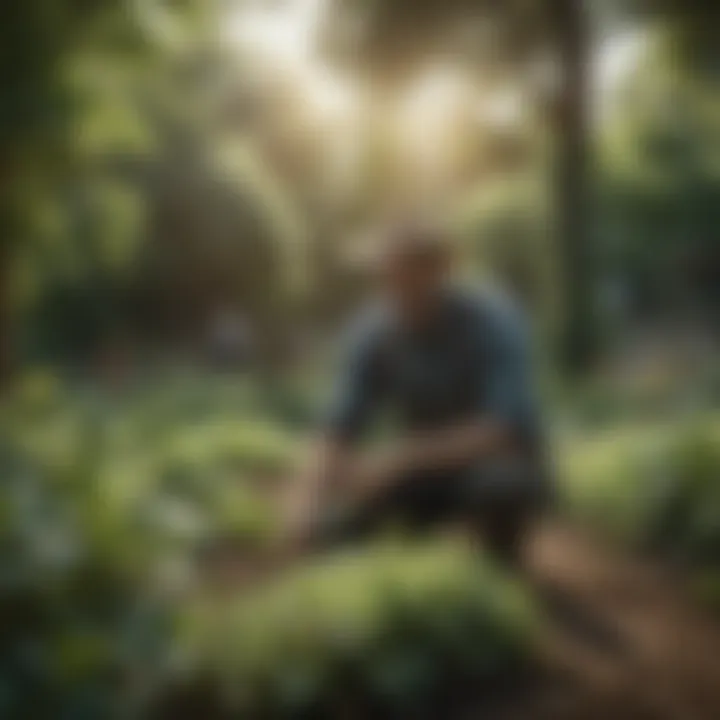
(571, 36)
(5, 330)
(7, 230)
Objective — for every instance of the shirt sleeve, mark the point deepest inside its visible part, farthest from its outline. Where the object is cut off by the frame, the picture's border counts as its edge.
(508, 395)
(357, 388)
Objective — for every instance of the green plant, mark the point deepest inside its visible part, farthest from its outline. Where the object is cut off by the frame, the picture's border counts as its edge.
(384, 628)
(654, 487)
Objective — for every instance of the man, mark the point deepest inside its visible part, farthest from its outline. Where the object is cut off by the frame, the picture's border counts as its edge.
(454, 368)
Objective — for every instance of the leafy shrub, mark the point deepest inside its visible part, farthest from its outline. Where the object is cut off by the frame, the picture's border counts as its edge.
(248, 448)
(75, 613)
(686, 520)
(387, 629)
(603, 481)
(658, 488)
(706, 588)
(100, 521)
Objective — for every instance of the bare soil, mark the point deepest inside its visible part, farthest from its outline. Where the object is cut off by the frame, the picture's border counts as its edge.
(624, 639)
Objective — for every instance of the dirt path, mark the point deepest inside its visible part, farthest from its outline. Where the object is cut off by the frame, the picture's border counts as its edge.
(624, 640)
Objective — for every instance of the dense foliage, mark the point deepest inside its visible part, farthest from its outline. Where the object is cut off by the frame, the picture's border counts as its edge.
(143, 186)
(654, 488)
(387, 631)
(109, 504)
(105, 503)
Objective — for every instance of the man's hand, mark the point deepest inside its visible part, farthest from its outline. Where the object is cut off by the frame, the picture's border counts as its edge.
(452, 447)
(300, 513)
(357, 477)
(313, 491)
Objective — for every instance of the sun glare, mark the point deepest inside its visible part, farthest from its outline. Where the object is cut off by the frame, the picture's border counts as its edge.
(435, 98)
(278, 32)
(281, 40)
(430, 117)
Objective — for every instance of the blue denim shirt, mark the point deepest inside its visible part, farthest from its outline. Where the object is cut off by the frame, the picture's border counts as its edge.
(473, 360)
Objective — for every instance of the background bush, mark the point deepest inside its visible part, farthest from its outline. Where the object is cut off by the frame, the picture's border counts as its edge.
(656, 488)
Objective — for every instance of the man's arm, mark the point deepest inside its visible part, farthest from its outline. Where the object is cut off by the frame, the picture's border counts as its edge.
(333, 458)
(329, 460)
(445, 449)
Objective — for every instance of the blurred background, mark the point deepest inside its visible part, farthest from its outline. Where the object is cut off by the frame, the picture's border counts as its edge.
(181, 184)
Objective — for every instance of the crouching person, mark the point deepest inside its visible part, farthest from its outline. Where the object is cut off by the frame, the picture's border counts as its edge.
(453, 366)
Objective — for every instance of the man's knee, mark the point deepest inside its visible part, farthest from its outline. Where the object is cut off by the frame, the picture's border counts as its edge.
(415, 503)
(508, 485)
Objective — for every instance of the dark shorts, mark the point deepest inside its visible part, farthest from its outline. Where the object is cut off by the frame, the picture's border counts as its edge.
(497, 499)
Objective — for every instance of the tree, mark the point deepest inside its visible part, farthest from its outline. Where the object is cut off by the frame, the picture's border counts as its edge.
(42, 48)
(37, 40)
(570, 35)
(659, 177)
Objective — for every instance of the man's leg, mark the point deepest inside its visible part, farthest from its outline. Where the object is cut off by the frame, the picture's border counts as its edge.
(414, 503)
(504, 533)
(502, 500)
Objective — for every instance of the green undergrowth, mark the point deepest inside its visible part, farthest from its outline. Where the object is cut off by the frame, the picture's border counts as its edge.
(389, 628)
(656, 489)
(107, 502)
